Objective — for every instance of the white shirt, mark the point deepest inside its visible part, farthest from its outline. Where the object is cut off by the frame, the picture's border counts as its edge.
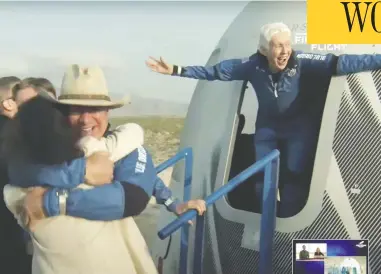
(65, 244)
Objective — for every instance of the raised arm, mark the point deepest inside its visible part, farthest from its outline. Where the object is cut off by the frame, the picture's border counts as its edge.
(128, 195)
(227, 70)
(330, 64)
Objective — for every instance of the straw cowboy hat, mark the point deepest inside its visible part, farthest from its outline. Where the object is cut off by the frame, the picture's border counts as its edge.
(86, 86)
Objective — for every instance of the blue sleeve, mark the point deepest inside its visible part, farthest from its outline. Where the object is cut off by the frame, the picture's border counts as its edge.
(104, 203)
(324, 64)
(227, 70)
(330, 64)
(351, 63)
(66, 175)
(163, 195)
(128, 195)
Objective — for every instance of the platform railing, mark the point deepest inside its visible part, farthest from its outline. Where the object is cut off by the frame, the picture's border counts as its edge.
(270, 164)
(187, 155)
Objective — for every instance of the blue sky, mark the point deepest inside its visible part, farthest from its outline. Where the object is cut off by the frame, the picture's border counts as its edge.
(42, 38)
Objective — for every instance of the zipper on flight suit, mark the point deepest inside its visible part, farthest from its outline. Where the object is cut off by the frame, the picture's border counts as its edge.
(275, 86)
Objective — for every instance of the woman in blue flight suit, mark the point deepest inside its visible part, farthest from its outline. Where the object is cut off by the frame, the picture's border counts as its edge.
(289, 86)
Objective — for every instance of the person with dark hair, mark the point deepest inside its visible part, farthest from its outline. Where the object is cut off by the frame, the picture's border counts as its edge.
(40, 135)
(135, 180)
(12, 249)
(24, 142)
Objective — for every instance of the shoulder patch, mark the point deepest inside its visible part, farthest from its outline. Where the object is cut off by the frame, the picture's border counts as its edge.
(291, 72)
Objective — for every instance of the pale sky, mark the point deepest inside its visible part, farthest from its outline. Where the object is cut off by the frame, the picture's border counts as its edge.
(42, 38)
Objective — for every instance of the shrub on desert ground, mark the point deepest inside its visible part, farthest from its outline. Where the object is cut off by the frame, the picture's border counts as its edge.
(162, 134)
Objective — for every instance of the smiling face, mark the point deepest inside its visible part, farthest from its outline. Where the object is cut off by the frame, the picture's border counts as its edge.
(279, 51)
(88, 121)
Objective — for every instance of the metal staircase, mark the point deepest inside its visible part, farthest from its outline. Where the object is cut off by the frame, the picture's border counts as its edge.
(270, 164)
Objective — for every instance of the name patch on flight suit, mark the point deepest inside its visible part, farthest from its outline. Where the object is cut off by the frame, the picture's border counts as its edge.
(142, 160)
(311, 56)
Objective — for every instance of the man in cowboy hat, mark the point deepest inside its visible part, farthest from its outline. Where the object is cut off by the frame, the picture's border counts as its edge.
(85, 95)
(99, 169)
(86, 102)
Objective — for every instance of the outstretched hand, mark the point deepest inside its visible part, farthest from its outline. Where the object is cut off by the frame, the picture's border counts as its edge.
(159, 66)
(198, 205)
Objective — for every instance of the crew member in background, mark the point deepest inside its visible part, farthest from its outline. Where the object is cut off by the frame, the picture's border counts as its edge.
(304, 254)
(291, 88)
(13, 256)
(43, 83)
(21, 92)
(27, 89)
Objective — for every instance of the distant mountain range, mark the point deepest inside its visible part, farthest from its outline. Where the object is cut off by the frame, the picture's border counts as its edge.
(141, 106)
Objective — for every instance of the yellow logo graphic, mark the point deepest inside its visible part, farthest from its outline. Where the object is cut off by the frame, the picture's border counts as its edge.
(343, 22)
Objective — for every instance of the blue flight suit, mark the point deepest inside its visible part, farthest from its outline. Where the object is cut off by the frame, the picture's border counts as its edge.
(289, 106)
(128, 195)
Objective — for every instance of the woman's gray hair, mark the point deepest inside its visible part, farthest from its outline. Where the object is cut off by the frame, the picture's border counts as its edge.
(267, 32)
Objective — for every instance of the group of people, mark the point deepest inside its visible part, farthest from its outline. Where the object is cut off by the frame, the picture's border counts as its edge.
(305, 255)
(61, 159)
(73, 184)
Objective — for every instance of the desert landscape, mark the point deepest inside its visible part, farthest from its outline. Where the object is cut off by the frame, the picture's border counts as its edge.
(162, 139)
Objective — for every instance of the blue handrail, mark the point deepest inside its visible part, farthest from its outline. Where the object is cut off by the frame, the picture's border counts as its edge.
(211, 199)
(271, 165)
(187, 155)
(268, 219)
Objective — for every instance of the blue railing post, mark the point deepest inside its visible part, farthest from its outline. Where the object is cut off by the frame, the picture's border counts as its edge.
(186, 197)
(223, 190)
(198, 257)
(268, 219)
(187, 154)
(271, 165)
